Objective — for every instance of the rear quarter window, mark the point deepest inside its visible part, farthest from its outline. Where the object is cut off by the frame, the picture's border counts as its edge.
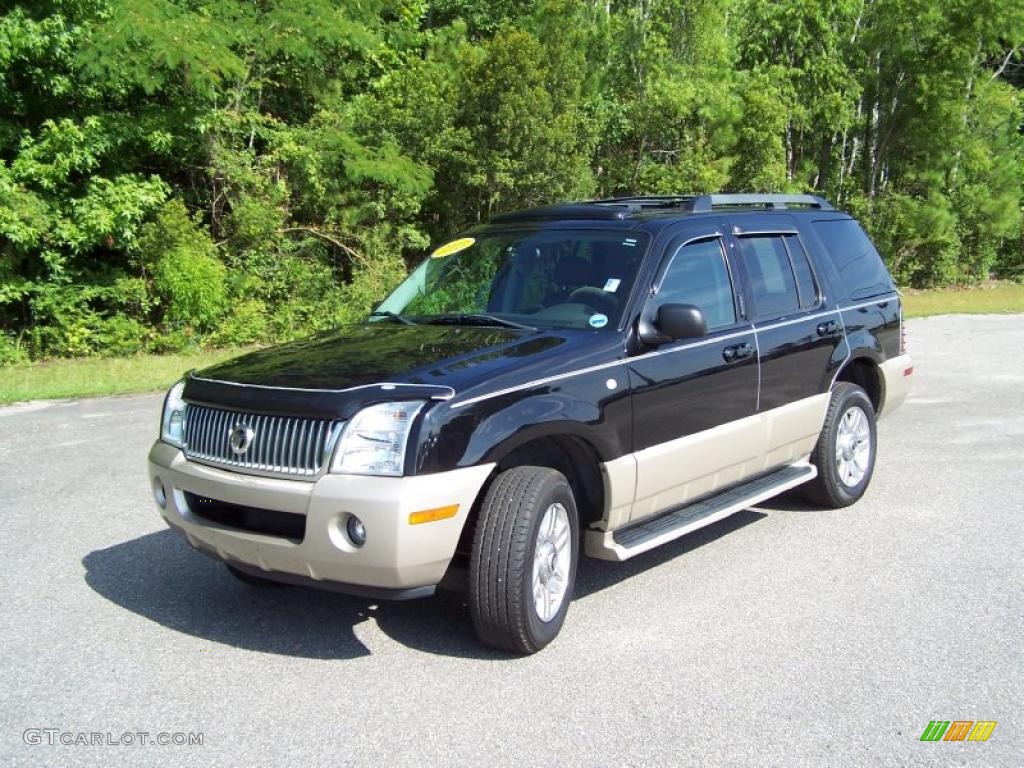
(858, 262)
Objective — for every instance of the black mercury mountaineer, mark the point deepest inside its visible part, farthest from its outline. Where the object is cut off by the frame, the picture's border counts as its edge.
(611, 375)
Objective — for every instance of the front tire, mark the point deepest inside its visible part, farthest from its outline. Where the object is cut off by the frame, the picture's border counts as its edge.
(845, 452)
(523, 566)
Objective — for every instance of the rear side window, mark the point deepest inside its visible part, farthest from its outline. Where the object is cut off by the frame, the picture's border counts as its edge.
(771, 275)
(856, 259)
(698, 276)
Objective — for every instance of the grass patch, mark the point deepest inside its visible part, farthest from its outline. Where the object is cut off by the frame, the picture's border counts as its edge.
(983, 299)
(94, 376)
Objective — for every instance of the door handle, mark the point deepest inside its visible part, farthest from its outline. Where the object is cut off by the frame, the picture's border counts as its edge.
(737, 352)
(828, 328)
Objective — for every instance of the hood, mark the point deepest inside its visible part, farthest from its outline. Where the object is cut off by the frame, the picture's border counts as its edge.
(376, 353)
(424, 360)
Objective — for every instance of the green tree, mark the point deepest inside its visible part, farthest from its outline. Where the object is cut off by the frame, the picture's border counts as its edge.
(161, 160)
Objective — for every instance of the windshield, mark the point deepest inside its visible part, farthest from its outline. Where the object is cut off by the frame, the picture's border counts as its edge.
(548, 279)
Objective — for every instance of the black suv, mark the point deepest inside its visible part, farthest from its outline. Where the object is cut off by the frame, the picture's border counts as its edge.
(611, 374)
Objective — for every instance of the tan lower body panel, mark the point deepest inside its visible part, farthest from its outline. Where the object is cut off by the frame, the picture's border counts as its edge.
(619, 490)
(396, 554)
(602, 544)
(897, 381)
(674, 473)
(670, 474)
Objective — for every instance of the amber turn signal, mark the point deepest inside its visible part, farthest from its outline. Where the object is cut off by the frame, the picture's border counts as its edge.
(430, 515)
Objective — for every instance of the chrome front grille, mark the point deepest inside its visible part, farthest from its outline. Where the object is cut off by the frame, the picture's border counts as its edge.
(273, 445)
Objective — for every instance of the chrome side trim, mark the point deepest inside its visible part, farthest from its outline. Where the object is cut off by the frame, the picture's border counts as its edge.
(849, 352)
(883, 298)
(549, 379)
(795, 320)
(539, 382)
(757, 351)
(600, 367)
(447, 394)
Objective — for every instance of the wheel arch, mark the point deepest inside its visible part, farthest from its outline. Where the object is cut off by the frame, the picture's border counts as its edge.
(863, 370)
(572, 455)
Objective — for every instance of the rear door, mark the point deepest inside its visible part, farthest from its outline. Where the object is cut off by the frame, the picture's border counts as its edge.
(694, 400)
(798, 330)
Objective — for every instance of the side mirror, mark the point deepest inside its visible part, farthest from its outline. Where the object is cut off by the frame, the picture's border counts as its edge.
(680, 321)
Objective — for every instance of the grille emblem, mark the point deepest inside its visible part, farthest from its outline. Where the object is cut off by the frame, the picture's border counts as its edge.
(241, 438)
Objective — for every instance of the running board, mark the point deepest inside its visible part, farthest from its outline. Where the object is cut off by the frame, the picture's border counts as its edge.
(645, 535)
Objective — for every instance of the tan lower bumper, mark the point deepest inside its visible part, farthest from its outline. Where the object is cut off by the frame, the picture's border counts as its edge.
(396, 555)
(897, 372)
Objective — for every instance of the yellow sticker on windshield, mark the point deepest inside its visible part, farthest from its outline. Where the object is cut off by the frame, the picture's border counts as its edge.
(453, 247)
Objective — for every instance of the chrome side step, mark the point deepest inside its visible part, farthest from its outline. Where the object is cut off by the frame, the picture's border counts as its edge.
(645, 535)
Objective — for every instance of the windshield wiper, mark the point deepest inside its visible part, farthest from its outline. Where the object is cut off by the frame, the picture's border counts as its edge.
(393, 316)
(473, 318)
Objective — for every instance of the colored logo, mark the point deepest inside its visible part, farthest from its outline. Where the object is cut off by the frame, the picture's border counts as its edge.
(958, 730)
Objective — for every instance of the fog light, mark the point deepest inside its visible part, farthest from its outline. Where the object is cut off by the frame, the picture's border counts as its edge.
(356, 530)
(159, 494)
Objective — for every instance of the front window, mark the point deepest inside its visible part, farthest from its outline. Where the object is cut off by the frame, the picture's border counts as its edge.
(546, 279)
(698, 276)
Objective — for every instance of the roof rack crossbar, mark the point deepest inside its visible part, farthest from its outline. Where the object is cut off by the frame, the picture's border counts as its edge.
(707, 203)
(572, 211)
(639, 202)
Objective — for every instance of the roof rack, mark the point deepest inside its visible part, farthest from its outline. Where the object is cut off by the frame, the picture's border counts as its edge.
(707, 203)
(623, 207)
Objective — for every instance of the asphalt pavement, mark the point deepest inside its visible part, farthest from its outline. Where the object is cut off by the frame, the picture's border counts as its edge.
(783, 636)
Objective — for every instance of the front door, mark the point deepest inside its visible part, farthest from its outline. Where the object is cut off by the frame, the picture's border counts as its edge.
(694, 400)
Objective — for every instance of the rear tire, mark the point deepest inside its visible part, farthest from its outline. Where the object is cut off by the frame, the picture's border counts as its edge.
(522, 569)
(846, 449)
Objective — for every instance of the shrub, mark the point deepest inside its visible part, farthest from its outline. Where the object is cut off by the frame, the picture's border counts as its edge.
(246, 323)
(11, 350)
(188, 277)
(174, 340)
(86, 319)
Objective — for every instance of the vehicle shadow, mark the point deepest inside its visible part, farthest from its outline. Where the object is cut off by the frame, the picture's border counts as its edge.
(789, 501)
(594, 575)
(159, 577)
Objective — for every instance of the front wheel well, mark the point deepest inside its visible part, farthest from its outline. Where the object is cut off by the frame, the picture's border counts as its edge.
(572, 456)
(865, 374)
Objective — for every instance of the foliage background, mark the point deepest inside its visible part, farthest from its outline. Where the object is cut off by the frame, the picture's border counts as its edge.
(176, 173)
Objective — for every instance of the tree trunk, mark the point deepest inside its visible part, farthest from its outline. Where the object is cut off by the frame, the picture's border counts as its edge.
(825, 161)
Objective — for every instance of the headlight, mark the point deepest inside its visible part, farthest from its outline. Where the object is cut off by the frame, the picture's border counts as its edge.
(373, 442)
(172, 425)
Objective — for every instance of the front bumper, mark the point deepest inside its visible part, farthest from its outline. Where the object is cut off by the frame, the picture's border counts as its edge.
(397, 560)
